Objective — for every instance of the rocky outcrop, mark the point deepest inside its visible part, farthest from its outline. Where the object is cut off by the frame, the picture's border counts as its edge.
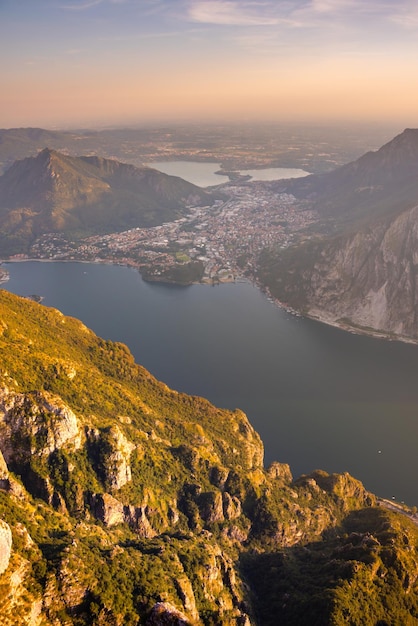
(231, 505)
(112, 512)
(36, 423)
(8, 482)
(249, 453)
(280, 472)
(141, 503)
(305, 507)
(165, 614)
(115, 452)
(5, 545)
(344, 487)
(211, 507)
(107, 509)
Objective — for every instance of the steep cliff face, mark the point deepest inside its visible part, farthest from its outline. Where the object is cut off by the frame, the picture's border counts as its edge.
(35, 423)
(366, 280)
(364, 274)
(124, 502)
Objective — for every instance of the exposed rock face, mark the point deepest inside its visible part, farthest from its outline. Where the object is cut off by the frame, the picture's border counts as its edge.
(367, 280)
(116, 453)
(342, 486)
(136, 517)
(186, 594)
(35, 423)
(217, 507)
(365, 274)
(280, 472)
(4, 472)
(112, 512)
(165, 614)
(211, 507)
(5, 545)
(107, 509)
(231, 506)
(140, 503)
(250, 453)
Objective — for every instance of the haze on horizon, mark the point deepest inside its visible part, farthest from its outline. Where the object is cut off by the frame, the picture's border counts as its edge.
(112, 62)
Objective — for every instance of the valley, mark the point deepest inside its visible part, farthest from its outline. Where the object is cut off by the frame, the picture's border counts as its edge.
(337, 246)
(225, 239)
(125, 501)
(208, 313)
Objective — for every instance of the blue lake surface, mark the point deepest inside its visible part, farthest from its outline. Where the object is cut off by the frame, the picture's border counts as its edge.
(319, 397)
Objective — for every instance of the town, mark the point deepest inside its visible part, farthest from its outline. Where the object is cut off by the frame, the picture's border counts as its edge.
(220, 242)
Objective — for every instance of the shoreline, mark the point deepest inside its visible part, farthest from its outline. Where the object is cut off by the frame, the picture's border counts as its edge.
(358, 330)
(270, 298)
(340, 325)
(316, 317)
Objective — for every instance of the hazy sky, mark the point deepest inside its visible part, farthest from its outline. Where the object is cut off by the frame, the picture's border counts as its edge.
(98, 62)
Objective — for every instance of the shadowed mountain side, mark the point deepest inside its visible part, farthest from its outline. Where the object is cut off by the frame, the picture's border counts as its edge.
(377, 184)
(365, 275)
(53, 192)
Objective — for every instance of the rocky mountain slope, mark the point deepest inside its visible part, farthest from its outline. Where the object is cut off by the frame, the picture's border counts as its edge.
(125, 502)
(53, 192)
(380, 183)
(365, 274)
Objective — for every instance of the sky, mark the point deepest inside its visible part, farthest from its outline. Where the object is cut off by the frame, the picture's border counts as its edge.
(95, 63)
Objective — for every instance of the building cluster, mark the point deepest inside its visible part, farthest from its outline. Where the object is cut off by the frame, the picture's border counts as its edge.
(226, 237)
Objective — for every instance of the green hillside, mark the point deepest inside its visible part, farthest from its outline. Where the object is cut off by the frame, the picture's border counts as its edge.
(129, 503)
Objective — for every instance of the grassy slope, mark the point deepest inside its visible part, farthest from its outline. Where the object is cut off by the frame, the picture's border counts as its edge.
(301, 546)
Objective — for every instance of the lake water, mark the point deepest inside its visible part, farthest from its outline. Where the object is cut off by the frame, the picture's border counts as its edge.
(203, 174)
(274, 173)
(319, 397)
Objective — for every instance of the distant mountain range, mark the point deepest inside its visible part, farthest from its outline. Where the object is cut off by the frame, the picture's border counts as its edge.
(53, 192)
(120, 144)
(365, 274)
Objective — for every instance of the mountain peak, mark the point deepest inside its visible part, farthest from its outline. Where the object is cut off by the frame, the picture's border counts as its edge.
(48, 156)
(406, 141)
(378, 183)
(46, 152)
(62, 193)
(410, 132)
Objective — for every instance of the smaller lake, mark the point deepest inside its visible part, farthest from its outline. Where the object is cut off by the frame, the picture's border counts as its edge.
(204, 174)
(274, 173)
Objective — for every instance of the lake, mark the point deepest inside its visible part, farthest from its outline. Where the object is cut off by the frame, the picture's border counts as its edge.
(319, 397)
(204, 174)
